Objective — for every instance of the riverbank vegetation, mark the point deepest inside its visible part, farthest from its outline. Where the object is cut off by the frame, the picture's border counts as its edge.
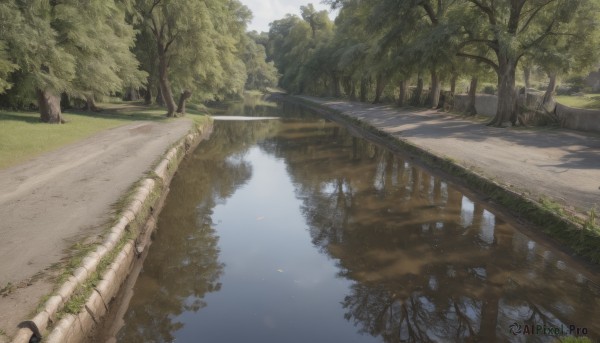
(57, 55)
(391, 49)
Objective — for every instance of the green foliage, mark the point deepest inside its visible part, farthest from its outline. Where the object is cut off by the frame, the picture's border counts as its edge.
(300, 50)
(261, 74)
(375, 42)
(73, 47)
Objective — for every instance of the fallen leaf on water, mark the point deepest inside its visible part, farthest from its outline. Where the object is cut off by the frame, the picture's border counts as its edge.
(280, 270)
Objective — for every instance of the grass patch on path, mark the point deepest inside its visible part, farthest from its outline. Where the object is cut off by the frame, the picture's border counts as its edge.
(22, 136)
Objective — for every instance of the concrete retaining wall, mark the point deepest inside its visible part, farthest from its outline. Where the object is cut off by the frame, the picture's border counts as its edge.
(141, 208)
(578, 118)
(485, 104)
(570, 118)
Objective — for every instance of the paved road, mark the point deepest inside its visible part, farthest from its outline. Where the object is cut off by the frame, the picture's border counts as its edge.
(63, 197)
(561, 164)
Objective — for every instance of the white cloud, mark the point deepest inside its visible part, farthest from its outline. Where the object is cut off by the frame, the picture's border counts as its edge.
(266, 11)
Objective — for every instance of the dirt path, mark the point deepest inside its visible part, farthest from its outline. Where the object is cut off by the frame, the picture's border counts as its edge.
(563, 165)
(63, 197)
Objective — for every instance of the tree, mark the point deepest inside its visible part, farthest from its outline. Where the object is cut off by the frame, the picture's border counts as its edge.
(80, 49)
(9, 19)
(261, 74)
(512, 29)
(100, 39)
(175, 26)
(198, 47)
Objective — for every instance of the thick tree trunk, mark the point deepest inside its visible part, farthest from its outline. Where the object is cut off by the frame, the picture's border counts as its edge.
(418, 92)
(49, 105)
(379, 87)
(90, 104)
(507, 96)
(403, 89)
(186, 94)
(471, 110)
(165, 86)
(436, 87)
(363, 90)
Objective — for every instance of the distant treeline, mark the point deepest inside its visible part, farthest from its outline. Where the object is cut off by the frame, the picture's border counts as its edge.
(375, 44)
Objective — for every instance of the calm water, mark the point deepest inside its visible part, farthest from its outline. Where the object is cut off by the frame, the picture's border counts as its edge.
(293, 230)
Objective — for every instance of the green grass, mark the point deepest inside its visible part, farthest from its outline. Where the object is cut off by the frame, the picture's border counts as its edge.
(588, 101)
(22, 136)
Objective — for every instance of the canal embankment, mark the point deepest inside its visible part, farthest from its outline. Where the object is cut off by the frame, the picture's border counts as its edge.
(547, 177)
(82, 297)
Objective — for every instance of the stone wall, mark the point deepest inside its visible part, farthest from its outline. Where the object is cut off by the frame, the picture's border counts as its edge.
(485, 104)
(569, 118)
(578, 118)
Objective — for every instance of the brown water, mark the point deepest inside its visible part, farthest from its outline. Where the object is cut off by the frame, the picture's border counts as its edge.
(293, 230)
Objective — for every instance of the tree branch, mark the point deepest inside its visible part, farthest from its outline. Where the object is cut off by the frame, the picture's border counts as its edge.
(493, 44)
(485, 9)
(546, 33)
(480, 59)
(430, 12)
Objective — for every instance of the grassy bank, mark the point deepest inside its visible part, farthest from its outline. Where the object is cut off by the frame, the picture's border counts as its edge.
(22, 136)
(587, 101)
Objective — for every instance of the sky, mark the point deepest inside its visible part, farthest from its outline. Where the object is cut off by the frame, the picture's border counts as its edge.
(266, 11)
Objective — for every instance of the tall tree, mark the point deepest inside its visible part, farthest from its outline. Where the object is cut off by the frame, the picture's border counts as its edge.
(198, 47)
(82, 49)
(511, 29)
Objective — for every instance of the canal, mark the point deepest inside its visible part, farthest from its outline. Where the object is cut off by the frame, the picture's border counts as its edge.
(294, 230)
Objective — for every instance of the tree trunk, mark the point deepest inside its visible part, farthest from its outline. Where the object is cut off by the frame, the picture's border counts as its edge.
(159, 97)
(379, 87)
(186, 94)
(471, 110)
(132, 94)
(363, 90)
(148, 96)
(549, 95)
(402, 96)
(49, 105)
(347, 85)
(434, 95)
(353, 91)
(507, 96)
(453, 83)
(90, 104)
(335, 86)
(418, 92)
(165, 86)
(527, 77)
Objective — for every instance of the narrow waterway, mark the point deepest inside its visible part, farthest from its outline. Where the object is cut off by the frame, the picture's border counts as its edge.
(293, 230)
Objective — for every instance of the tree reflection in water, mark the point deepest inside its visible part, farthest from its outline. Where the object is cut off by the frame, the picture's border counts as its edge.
(428, 263)
(177, 275)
